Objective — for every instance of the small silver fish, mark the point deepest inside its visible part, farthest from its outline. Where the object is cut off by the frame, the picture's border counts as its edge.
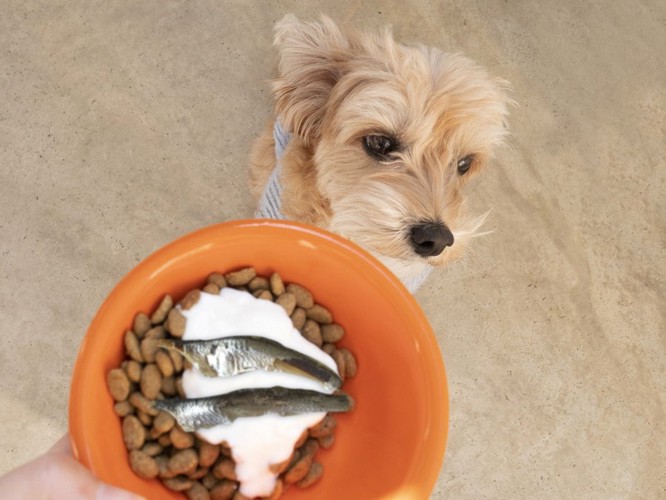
(203, 413)
(228, 356)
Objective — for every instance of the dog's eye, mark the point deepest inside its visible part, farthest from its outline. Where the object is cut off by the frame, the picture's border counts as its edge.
(379, 146)
(464, 164)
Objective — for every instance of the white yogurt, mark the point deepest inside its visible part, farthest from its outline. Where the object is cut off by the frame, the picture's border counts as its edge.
(256, 442)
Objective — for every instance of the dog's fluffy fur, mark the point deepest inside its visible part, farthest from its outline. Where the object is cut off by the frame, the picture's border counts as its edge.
(333, 90)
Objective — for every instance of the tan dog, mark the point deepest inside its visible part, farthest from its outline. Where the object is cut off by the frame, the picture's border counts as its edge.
(376, 141)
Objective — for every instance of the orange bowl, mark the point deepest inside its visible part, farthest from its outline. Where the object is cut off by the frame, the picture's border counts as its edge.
(390, 446)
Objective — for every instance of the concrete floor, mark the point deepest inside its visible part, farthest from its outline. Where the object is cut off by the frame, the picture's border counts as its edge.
(124, 125)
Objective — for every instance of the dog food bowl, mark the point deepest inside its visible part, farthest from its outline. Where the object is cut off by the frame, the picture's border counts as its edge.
(390, 446)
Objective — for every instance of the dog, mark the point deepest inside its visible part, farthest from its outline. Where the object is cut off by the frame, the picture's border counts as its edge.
(375, 140)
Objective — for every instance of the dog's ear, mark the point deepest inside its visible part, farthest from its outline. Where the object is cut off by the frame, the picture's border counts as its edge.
(311, 59)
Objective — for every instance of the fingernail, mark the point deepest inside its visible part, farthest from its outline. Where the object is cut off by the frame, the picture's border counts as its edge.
(107, 492)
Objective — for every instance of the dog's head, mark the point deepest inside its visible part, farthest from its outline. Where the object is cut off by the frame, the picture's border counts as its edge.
(395, 131)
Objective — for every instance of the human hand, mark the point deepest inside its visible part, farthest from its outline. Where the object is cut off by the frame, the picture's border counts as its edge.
(57, 475)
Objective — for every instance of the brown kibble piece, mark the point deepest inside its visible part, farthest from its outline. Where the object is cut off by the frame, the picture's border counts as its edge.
(312, 332)
(190, 299)
(163, 422)
(313, 475)
(299, 469)
(208, 454)
(258, 283)
(169, 386)
(320, 314)
(303, 296)
(175, 323)
(263, 295)
(209, 481)
(160, 314)
(350, 363)
(183, 462)
(133, 370)
(141, 324)
(225, 469)
(332, 332)
(123, 408)
(134, 434)
(224, 490)
(241, 277)
(178, 483)
(197, 492)
(339, 359)
(217, 279)
(148, 349)
(298, 318)
(181, 439)
(328, 348)
(287, 301)
(143, 464)
(164, 440)
(239, 496)
(151, 381)
(276, 284)
(324, 428)
(327, 441)
(132, 346)
(156, 332)
(139, 402)
(118, 383)
(211, 288)
(152, 449)
(145, 419)
(177, 360)
(164, 363)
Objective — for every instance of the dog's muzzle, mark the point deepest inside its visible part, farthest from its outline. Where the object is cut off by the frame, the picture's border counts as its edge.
(430, 238)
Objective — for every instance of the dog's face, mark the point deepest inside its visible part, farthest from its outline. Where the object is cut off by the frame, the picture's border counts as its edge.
(396, 132)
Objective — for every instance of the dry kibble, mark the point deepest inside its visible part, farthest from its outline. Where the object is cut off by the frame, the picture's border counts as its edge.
(152, 449)
(162, 310)
(133, 370)
(258, 283)
(324, 428)
(143, 464)
(208, 454)
(209, 481)
(276, 284)
(197, 492)
(241, 277)
(225, 469)
(312, 332)
(140, 402)
(156, 332)
(239, 496)
(163, 422)
(149, 349)
(141, 324)
(134, 434)
(175, 323)
(263, 294)
(339, 359)
(313, 475)
(164, 440)
(298, 318)
(179, 388)
(190, 299)
(177, 361)
(145, 419)
(298, 470)
(287, 301)
(303, 296)
(328, 348)
(151, 381)
(319, 314)
(123, 408)
(181, 439)
(118, 383)
(132, 346)
(183, 462)
(350, 363)
(169, 386)
(327, 441)
(164, 363)
(211, 288)
(224, 490)
(332, 332)
(217, 279)
(178, 483)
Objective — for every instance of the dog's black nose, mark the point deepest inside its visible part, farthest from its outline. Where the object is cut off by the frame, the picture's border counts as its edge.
(430, 238)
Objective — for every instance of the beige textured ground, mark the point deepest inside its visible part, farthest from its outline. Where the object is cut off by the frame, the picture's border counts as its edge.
(124, 125)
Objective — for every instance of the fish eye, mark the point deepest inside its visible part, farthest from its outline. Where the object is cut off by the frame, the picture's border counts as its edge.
(379, 147)
(464, 164)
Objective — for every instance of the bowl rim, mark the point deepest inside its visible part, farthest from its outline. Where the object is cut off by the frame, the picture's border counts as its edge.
(427, 476)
